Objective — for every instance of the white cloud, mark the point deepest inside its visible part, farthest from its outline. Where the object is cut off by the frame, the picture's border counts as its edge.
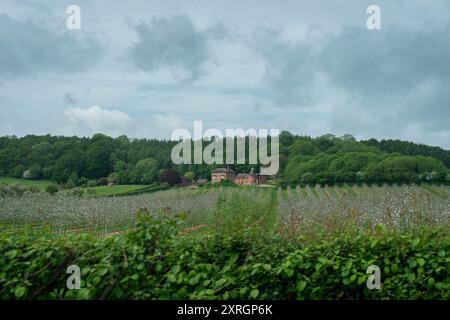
(96, 119)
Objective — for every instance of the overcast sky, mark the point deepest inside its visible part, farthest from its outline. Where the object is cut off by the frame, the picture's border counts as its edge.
(145, 68)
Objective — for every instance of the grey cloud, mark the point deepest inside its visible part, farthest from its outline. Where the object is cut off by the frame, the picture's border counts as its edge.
(174, 43)
(393, 60)
(30, 48)
(380, 70)
(401, 73)
(382, 63)
(391, 79)
(69, 99)
(290, 67)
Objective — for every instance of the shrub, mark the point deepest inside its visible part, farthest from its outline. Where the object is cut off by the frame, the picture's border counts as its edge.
(170, 176)
(73, 180)
(18, 171)
(92, 183)
(103, 181)
(77, 192)
(225, 183)
(153, 262)
(83, 182)
(52, 189)
(15, 190)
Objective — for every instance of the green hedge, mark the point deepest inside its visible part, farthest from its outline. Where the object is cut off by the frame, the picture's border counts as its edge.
(154, 262)
(149, 189)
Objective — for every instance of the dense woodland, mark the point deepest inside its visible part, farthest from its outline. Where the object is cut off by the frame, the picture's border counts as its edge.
(306, 160)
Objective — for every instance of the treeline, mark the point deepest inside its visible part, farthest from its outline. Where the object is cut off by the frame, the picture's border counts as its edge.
(410, 148)
(325, 160)
(329, 160)
(92, 161)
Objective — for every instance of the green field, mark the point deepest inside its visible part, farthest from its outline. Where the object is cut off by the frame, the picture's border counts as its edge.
(40, 184)
(99, 191)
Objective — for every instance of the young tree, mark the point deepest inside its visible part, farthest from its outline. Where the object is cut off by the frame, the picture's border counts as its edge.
(170, 176)
(146, 171)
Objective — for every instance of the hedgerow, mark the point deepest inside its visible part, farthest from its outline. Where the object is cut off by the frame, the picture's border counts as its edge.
(153, 261)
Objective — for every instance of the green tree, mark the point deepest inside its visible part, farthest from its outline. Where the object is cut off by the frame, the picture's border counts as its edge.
(73, 179)
(36, 172)
(97, 160)
(18, 171)
(65, 166)
(120, 166)
(190, 175)
(146, 171)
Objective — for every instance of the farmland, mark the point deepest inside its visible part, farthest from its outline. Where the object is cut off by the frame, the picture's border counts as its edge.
(40, 184)
(98, 190)
(230, 242)
(395, 206)
(114, 190)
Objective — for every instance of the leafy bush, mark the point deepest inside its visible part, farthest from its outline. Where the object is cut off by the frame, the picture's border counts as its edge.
(154, 262)
(13, 190)
(170, 176)
(52, 189)
(18, 171)
(77, 192)
(92, 183)
(102, 181)
(147, 189)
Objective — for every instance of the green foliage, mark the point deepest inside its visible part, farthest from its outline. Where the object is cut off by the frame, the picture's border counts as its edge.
(35, 172)
(15, 190)
(73, 180)
(154, 262)
(369, 167)
(224, 183)
(52, 189)
(325, 160)
(145, 172)
(18, 171)
(102, 181)
(92, 183)
(190, 175)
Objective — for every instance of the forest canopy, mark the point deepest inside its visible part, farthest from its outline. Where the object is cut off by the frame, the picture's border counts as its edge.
(325, 160)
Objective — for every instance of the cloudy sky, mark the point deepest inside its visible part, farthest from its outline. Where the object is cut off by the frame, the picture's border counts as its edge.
(145, 68)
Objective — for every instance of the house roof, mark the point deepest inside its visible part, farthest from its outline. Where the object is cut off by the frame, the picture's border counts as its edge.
(242, 175)
(223, 170)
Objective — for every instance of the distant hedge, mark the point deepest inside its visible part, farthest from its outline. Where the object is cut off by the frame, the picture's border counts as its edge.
(149, 189)
(8, 190)
(154, 262)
